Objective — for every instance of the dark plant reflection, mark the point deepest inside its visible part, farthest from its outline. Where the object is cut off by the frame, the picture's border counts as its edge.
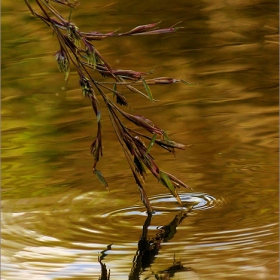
(148, 249)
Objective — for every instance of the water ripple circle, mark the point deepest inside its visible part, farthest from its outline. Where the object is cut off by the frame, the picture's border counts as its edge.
(163, 203)
(196, 201)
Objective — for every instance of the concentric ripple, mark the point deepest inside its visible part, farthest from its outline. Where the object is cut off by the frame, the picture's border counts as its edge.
(164, 203)
(195, 201)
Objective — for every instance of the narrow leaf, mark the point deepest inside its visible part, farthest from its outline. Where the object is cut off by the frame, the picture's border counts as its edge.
(166, 136)
(147, 88)
(100, 178)
(170, 144)
(136, 90)
(151, 143)
(165, 180)
(187, 83)
(140, 29)
(67, 74)
(114, 89)
(162, 80)
(140, 167)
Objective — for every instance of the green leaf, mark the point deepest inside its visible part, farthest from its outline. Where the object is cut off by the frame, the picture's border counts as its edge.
(67, 74)
(114, 89)
(167, 182)
(151, 143)
(166, 136)
(147, 88)
(100, 178)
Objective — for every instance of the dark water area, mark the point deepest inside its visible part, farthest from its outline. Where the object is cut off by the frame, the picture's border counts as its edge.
(57, 219)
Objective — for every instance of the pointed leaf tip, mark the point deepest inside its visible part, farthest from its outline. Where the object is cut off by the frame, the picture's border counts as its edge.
(165, 180)
(100, 178)
(148, 90)
(152, 143)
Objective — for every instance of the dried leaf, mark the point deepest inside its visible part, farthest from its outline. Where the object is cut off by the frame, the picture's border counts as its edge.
(145, 199)
(121, 99)
(159, 31)
(129, 74)
(141, 121)
(170, 144)
(94, 148)
(136, 90)
(140, 29)
(98, 116)
(140, 167)
(162, 80)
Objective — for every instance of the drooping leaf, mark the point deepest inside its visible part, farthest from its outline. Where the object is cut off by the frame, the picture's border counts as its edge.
(114, 89)
(100, 178)
(165, 180)
(151, 143)
(147, 88)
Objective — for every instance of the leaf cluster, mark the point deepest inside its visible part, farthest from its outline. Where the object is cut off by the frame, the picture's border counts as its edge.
(76, 49)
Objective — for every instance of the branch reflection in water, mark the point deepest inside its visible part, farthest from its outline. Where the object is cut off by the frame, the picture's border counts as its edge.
(148, 249)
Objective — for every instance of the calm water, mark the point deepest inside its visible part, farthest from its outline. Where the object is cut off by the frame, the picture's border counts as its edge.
(57, 219)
